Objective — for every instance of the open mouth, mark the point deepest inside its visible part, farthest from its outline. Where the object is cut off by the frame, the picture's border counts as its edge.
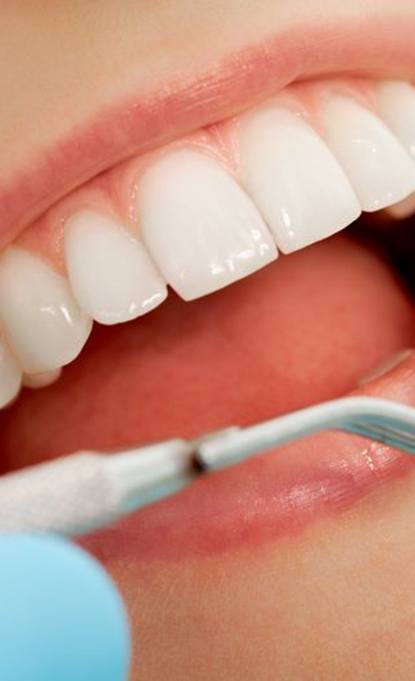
(223, 294)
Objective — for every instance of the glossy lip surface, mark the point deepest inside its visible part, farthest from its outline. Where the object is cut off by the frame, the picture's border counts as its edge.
(372, 47)
(271, 496)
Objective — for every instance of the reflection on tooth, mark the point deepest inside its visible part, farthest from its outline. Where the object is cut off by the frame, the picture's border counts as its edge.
(294, 179)
(201, 228)
(379, 168)
(397, 107)
(41, 380)
(10, 375)
(110, 271)
(43, 323)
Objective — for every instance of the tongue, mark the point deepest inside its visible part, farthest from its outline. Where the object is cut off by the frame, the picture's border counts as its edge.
(300, 331)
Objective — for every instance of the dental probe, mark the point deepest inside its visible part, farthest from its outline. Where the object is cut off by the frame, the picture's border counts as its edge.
(88, 490)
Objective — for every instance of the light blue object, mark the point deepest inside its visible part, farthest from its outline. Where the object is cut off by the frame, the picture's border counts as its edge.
(61, 617)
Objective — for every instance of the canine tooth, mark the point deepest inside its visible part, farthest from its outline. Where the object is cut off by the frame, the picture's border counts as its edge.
(200, 226)
(41, 380)
(396, 102)
(110, 271)
(293, 178)
(379, 168)
(42, 321)
(10, 375)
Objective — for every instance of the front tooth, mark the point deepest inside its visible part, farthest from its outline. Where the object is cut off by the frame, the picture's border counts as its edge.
(294, 179)
(379, 168)
(396, 102)
(201, 228)
(44, 324)
(10, 375)
(110, 271)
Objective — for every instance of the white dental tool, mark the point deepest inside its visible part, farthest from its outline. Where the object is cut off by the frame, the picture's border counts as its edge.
(88, 490)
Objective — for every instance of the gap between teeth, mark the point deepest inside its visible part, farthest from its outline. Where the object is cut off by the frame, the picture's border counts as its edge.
(201, 226)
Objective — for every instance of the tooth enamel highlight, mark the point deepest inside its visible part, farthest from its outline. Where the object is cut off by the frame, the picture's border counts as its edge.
(396, 102)
(379, 168)
(10, 375)
(293, 178)
(43, 323)
(110, 271)
(201, 228)
(41, 380)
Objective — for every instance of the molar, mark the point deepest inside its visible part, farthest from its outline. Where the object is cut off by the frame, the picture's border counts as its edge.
(200, 226)
(293, 177)
(42, 321)
(110, 272)
(379, 168)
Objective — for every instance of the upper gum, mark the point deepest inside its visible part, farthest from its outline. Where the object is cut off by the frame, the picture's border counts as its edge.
(113, 191)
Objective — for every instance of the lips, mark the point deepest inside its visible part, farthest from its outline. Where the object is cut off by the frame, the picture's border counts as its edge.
(302, 330)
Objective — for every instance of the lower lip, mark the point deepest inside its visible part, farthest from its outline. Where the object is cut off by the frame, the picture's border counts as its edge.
(270, 497)
(241, 80)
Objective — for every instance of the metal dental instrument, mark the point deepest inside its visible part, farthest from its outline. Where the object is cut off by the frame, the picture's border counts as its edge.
(88, 490)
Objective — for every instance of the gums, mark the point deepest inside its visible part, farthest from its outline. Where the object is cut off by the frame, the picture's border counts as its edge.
(190, 102)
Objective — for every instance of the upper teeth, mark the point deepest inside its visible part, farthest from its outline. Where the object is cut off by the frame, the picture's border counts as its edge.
(396, 101)
(110, 271)
(294, 178)
(289, 173)
(44, 324)
(377, 165)
(199, 225)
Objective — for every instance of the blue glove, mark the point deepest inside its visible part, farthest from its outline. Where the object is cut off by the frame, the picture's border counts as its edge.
(61, 618)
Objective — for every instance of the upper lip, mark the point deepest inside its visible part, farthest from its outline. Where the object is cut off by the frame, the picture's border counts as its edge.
(370, 47)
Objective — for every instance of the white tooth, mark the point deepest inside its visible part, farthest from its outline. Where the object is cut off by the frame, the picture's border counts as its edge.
(201, 228)
(294, 179)
(10, 375)
(379, 168)
(41, 380)
(396, 102)
(43, 322)
(110, 271)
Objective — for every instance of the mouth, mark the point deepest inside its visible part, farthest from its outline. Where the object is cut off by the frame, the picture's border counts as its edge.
(222, 293)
